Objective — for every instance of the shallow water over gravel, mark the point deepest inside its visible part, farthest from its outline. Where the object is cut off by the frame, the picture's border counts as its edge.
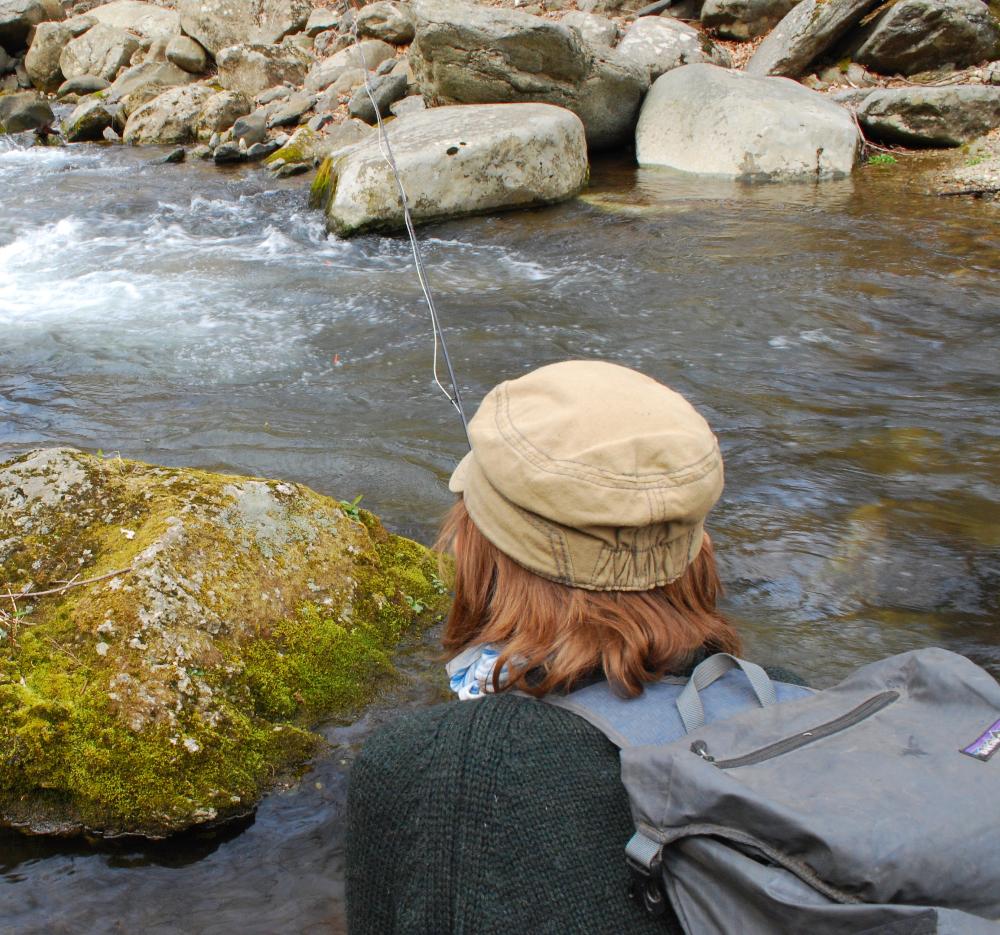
(842, 340)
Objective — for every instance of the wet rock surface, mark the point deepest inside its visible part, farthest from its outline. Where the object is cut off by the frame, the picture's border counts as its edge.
(208, 622)
(457, 161)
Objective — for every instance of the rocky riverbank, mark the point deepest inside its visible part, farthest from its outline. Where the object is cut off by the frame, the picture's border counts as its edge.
(761, 90)
(168, 637)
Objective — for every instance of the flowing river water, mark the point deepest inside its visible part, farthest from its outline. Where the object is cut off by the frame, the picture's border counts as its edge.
(842, 339)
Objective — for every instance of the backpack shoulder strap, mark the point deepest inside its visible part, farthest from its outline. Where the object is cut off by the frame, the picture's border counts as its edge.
(670, 708)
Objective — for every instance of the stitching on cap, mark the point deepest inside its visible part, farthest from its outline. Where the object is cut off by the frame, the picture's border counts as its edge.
(672, 479)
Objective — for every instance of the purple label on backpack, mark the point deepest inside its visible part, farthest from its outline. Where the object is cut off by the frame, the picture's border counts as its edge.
(982, 748)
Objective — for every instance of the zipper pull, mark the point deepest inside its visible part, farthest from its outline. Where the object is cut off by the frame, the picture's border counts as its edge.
(701, 748)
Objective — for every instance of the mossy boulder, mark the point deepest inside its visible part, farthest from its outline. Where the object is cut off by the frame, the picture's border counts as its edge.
(200, 625)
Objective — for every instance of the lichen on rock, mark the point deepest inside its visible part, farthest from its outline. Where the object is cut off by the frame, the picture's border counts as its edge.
(236, 613)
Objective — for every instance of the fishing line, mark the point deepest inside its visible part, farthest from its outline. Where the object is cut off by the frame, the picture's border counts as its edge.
(440, 345)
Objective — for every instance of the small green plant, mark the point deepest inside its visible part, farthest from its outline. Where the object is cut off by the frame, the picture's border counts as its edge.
(417, 606)
(882, 159)
(439, 586)
(352, 508)
(975, 160)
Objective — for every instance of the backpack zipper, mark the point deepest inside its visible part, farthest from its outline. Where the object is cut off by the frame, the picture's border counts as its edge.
(864, 710)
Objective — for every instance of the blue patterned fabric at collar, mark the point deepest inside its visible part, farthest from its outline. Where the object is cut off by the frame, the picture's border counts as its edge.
(470, 673)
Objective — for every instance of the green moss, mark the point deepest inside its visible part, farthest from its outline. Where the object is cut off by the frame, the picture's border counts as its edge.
(322, 189)
(115, 721)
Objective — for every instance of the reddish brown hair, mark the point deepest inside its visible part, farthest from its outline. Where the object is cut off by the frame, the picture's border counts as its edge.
(553, 635)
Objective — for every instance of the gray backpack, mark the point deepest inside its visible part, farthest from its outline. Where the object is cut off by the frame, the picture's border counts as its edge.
(871, 807)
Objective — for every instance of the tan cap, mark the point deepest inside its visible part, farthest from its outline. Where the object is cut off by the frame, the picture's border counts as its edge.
(592, 475)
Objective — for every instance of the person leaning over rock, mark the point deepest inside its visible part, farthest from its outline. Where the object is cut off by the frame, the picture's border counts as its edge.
(580, 555)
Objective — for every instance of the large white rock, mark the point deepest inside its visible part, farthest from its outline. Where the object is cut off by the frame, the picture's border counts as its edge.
(710, 121)
(457, 161)
(153, 22)
(100, 51)
(660, 43)
(171, 118)
(251, 69)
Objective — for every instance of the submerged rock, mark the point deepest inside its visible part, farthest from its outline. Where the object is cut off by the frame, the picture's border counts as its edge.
(706, 120)
(229, 614)
(457, 161)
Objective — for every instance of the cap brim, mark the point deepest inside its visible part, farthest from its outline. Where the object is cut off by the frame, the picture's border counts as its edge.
(460, 475)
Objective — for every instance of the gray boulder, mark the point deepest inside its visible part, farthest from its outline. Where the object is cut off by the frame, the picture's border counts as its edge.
(386, 89)
(710, 121)
(369, 54)
(19, 17)
(597, 30)
(280, 18)
(457, 161)
(919, 35)
(251, 69)
(42, 60)
(170, 119)
(934, 116)
(26, 111)
(7, 62)
(744, 19)
(220, 112)
(407, 105)
(89, 121)
(320, 21)
(218, 24)
(185, 53)
(808, 30)
(101, 51)
(660, 43)
(152, 22)
(468, 54)
(85, 84)
(141, 83)
(251, 127)
(388, 21)
(290, 111)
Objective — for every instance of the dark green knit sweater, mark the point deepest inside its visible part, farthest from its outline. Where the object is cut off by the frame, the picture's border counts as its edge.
(500, 815)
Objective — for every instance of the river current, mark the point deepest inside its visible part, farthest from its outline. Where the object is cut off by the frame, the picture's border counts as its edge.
(842, 339)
